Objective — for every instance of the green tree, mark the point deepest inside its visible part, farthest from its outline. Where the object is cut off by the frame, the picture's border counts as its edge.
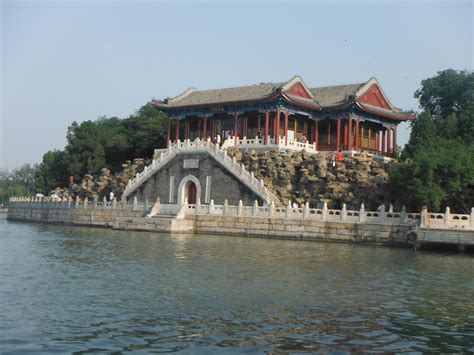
(148, 130)
(18, 182)
(439, 166)
(52, 172)
(85, 150)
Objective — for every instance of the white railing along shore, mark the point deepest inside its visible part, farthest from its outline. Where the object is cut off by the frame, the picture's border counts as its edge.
(424, 219)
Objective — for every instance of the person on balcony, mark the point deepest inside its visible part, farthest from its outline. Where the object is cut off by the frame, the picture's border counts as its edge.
(340, 156)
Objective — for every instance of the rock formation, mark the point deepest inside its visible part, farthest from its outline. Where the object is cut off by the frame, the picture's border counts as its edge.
(301, 177)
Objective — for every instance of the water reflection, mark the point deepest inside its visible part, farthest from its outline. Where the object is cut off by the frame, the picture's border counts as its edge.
(75, 289)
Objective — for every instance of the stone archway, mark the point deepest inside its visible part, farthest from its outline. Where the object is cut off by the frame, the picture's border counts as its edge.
(190, 189)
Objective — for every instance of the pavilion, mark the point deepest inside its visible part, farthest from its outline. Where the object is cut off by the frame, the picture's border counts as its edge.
(289, 115)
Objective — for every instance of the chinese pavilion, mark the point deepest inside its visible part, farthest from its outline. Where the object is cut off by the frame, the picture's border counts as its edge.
(290, 115)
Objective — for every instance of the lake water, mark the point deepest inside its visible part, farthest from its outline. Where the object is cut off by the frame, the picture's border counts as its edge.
(72, 289)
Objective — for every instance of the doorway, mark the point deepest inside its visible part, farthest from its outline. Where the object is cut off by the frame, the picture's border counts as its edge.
(191, 193)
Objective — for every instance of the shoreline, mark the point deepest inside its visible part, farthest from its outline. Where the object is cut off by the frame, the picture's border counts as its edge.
(399, 229)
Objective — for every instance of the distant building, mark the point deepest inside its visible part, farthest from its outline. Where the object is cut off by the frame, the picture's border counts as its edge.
(289, 115)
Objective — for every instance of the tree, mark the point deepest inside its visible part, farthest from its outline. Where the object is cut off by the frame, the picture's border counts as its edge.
(52, 172)
(439, 166)
(85, 150)
(148, 127)
(449, 93)
(19, 182)
(423, 131)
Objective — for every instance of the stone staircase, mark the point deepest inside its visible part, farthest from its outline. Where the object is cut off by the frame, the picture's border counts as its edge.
(220, 155)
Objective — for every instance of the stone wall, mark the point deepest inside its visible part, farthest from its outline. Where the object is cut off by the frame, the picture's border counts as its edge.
(60, 213)
(309, 230)
(222, 183)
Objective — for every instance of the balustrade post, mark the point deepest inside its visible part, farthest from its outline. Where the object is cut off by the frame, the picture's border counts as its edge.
(343, 212)
(198, 204)
(124, 202)
(224, 207)
(362, 212)
(94, 202)
(288, 209)
(86, 202)
(403, 214)
(135, 203)
(69, 201)
(255, 208)
(471, 222)
(324, 214)
(104, 203)
(306, 210)
(145, 204)
(76, 204)
(239, 208)
(114, 203)
(446, 216)
(211, 206)
(424, 217)
(271, 209)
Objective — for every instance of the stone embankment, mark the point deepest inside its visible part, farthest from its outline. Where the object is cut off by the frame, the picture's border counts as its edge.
(311, 224)
(303, 177)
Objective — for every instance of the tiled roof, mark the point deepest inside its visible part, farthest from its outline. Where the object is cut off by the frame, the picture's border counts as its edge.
(236, 94)
(335, 95)
(328, 97)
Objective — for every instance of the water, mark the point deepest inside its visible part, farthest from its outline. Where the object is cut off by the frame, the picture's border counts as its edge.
(71, 289)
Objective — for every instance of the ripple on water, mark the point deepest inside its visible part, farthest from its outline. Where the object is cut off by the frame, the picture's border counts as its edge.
(79, 290)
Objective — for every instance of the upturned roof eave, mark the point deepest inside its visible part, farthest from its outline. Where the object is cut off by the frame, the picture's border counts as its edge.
(398, 116)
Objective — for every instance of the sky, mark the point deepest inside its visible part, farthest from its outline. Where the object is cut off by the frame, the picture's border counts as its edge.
(65, 61)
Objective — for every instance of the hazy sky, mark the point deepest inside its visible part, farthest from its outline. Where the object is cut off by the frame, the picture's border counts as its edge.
(76, 60)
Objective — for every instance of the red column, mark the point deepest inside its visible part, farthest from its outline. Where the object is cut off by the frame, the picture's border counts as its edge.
(244, 133)
(383, 142)
(389, 144)
(213, 128)
(349, 144)
(338, 134)
(344, 144)
(286, 127)
(236, 134)
(395, 141)
(168, 133)
(357, 134)
(259, 129)
(177, 129)
(305, 129)
(199, 128)
(316, 134)
(204, 136)
(276, 125)
(377, 143)
(267, 119)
